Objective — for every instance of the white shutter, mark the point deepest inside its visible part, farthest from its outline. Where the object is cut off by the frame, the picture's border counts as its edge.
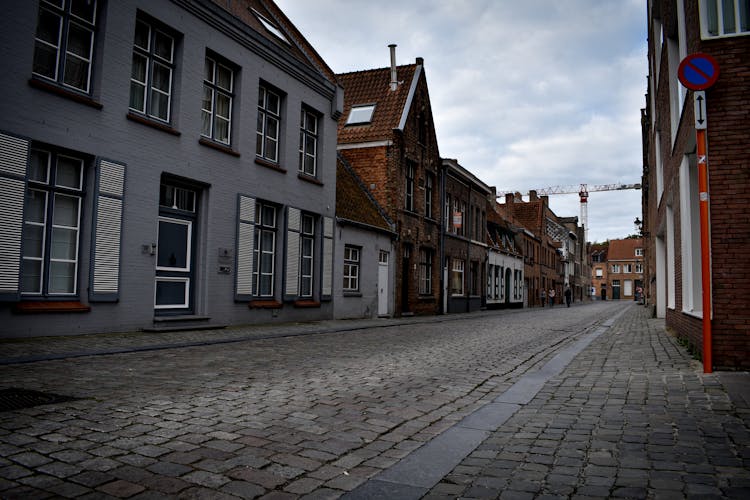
(14, 154)
(107, 237)
(294, 220)
(327, 257)
(245, 247)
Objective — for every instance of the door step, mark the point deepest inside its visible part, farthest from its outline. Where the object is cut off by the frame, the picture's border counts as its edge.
(182, 323)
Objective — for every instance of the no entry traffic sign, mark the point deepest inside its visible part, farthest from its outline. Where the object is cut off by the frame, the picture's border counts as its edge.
(698, 71)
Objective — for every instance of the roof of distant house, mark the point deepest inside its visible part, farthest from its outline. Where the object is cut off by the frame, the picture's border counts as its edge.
(623, 249)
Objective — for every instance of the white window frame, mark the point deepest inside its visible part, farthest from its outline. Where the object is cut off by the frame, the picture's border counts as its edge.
(188, 258)
(639, 268)
(457, 269)
(215, 91)
(426, 256)
(360, 114)
(268, 119)
(717, 6)
(261, 253)
(599, 272)
(307, 235)
(428, 193)
(615, 268)
(639, 252)
(308, 142)
(352, 256)
(152, 60)
(627, 268)
(62, 54)
(173, 279)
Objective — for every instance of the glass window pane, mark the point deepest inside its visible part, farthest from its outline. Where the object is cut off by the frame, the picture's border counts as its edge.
(138, 70)
(273, 103)
(137, 97)
(33, 240)
(76, 73)
(224, 78)
(208, 73)
(171, 293)
(65, 211)
(142, 35)
(208, 98)
(265, 285)
(79, 41)
(84, 9)
(32, 276)
(68, 173)
(36, 206)
(64, 244)
(62, 277)
(39, 166)
(744, 15)
(261, 97)
(222, 130)
(159, 105)
(173, 244)
(269, 216)
(730, 25)
(206, 123)
(162, 77)
(223, 104)
(163, 46)
(45, 60)
(48, 27)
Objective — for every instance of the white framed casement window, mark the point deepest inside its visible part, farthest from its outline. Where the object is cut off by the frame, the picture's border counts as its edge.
(171, 292)
(615, 268)
(307, 254)
(64, 42)
(599, 272)
(639, 268)
(409, 187)
(457, 277)
(639, 252)
(722, 18)
(52, 224)
(308, 142)
(265, 250)
(152, 70)
(351, 267)
(269, 119)
(627, 268)
(425, 271)
(218, 94)
(360, 114)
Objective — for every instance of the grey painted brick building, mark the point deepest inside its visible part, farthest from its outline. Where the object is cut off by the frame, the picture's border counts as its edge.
(163, 164)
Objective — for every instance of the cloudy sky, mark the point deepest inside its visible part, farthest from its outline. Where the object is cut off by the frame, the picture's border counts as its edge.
(525, 93)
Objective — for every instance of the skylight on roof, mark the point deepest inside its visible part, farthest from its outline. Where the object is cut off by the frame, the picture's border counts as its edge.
(360, 114)
(270, 26)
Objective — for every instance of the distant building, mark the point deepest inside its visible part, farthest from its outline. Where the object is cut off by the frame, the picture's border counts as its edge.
(671, 196)
(387, 136)
(624, 268)
(599, 268)
(163, 165)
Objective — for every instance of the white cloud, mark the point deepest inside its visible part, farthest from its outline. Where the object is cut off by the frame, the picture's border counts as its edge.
(524, 94)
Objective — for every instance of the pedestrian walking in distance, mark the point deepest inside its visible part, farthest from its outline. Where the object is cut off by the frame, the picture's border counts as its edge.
(551, 295)
(568, 295)
(543, 297)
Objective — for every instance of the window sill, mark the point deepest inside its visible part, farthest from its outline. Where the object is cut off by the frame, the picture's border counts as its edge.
(306, 304)
(218, 147)
(40, 306)
(143, 120)
(309, 178)
(63, 92)
(265, 304)
(352, 294)
(270, 164)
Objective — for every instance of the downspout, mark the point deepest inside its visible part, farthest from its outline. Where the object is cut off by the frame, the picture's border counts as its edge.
(443, 297)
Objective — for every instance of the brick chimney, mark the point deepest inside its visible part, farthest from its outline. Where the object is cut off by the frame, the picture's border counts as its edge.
(533, 196)
(509, 198)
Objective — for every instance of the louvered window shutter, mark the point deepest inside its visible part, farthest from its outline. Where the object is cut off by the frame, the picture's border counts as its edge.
(327, 258)
(245, 247)
(294, 222)
(14, 155)
(107, 232)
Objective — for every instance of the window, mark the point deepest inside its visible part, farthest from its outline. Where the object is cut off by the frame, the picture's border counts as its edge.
(351, 268)
(627, 268)
(265, 250)
(269, 117)
(599, 272)
(218, 85)
(429, 188)
(457, 277)
(151, 73)
(307, 245)
(448, 216)
(639, 268)
(308, 142)
(639, 252)
(360, 114)
(615, 268)
(52, 224)
(270, 26)
(409, 195)
(425, 271)
(64, 42)
(724, 17)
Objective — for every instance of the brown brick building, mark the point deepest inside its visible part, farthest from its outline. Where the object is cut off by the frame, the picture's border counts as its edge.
(670, 176)
(386, 134)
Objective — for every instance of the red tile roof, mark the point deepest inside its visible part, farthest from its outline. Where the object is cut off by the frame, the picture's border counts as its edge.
(373, 87)
(353, 202)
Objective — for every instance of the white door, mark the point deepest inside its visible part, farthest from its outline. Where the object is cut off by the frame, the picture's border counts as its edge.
(383, 283)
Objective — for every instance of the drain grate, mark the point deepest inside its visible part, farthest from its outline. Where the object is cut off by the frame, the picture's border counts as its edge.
(16, 399)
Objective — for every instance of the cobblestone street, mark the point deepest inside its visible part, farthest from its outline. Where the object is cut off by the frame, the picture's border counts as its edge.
(319, 413)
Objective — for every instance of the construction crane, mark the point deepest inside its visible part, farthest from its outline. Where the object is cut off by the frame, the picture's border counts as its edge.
(583, 191)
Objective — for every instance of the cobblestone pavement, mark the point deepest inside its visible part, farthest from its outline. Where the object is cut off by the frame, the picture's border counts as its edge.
(274, 412)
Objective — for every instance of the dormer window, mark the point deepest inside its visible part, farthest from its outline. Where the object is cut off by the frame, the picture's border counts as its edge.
(360, 114)
(270, 26)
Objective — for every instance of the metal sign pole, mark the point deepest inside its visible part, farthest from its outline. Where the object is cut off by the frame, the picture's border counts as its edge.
(700, 137)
